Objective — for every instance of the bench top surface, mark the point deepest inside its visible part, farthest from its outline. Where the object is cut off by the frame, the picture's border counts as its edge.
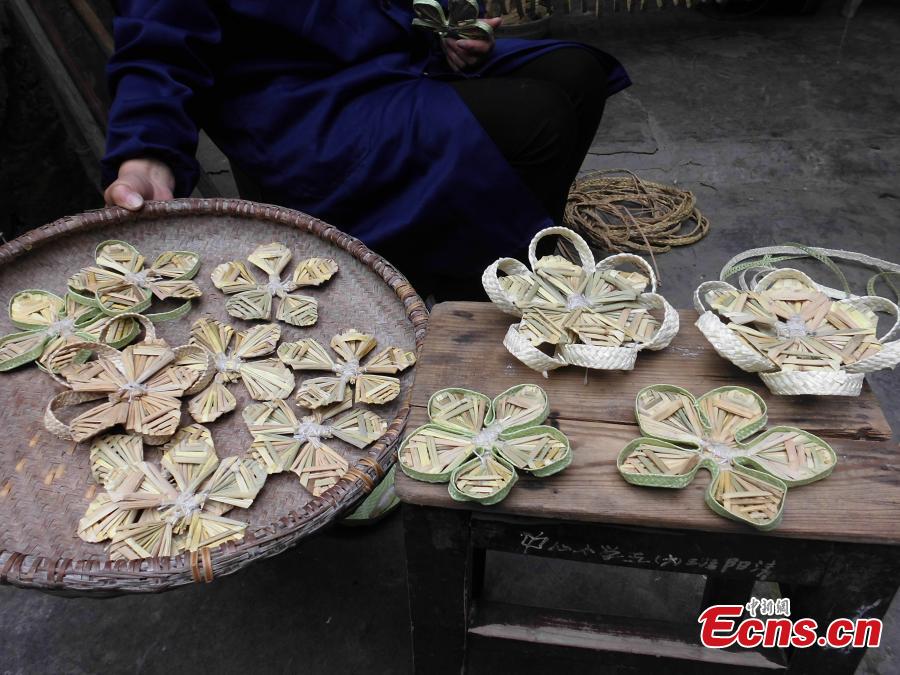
(860, 501)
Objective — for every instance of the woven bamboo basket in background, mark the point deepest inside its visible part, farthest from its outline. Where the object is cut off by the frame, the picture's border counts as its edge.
(45, 482)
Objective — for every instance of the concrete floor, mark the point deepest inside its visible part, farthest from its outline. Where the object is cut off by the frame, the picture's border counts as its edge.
(786, 128)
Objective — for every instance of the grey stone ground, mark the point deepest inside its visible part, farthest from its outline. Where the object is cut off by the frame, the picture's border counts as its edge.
(787, 130)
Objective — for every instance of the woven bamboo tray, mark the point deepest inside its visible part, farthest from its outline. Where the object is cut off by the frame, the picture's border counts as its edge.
(46, 483)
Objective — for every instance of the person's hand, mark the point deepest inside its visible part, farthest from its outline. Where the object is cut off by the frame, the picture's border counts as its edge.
(462, 54)
(140, 180)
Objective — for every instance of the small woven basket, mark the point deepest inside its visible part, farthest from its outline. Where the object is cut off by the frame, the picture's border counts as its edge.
(803, 338)
(45, 482)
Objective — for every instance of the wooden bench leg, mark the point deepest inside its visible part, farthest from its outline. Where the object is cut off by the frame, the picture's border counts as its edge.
(858, 584)
(439, 569)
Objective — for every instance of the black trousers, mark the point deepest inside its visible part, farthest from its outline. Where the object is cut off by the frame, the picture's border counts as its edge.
(543, 118)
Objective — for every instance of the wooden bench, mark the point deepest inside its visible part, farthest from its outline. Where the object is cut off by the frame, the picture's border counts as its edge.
(835, 554)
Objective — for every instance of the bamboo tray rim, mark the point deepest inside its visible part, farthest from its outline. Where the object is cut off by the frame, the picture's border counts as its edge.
(149, 575)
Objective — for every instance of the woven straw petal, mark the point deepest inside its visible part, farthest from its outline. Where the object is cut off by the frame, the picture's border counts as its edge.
(271, 258)
(319, 467)
(540, 450)
(233, 277)
(257, 341)
(306, 354)
(211, 403)
(376, 389)
(487, 479)
(748, 496)
(431, 452)
(390, 360)
(144, 539)
(250, 305)
(795, 457)
(351, 344)
(113, 453)
(181, 289)
(267, 380)
(520, 406)
(207, 530)
(99, 419)
(314, 271)
(17, 349)
(297, 310)
(35, 309)
(733, 413)
(176, 265)
(119, 256)
(359, 428)
(460, 410)
(321, 391)
(212, 335)
(669, 413)
(650, 461)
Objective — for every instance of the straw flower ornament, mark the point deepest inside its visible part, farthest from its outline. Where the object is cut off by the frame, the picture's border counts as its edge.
(153, 511)
(48, 322)
(252, 299)
(459, 21)
(142, 385)
(372, 381)
(795, 333)
(750, 477)
(477, 444)
(591, 315)
(284, 442)
(231, 352)
(119, 282)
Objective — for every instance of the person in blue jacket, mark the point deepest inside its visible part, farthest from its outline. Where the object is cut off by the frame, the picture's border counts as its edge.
(441, 154)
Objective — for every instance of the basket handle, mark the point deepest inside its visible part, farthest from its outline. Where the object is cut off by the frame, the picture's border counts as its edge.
(769, 255)
(491, 282)
(531, 356)
(629, 258)
(704, 288)
(66, 399)
(584, 251)
(670, 323)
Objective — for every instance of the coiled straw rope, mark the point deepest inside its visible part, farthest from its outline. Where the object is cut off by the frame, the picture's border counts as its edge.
(626, 213)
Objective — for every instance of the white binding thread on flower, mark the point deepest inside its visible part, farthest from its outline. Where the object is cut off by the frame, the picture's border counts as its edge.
(228, 364)
(348, 372)
(482, 453)
(311, 431)
(577, 301)
(278, 287)
(794, 327)
(61, 328)
(183, 506)
(723, 453)
(140, 279)
(487, 437)
(133, 390)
